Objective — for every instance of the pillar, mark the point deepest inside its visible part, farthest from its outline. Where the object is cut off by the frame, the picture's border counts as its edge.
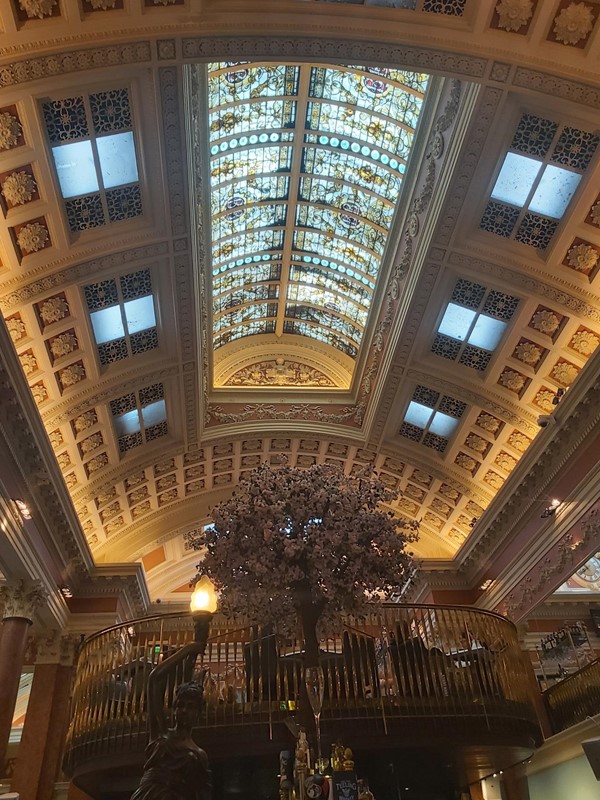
(20, 601)
(46, 721)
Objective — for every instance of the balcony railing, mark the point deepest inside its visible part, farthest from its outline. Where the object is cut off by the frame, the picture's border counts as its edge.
(401, 670)
(574, 699)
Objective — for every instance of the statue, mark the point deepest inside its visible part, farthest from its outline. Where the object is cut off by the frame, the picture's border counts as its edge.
(176, 768)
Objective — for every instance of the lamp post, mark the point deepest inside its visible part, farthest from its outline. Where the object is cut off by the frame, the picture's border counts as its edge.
(203, 604)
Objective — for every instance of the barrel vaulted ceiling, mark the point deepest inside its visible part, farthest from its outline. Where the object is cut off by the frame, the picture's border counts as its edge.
(348, 233)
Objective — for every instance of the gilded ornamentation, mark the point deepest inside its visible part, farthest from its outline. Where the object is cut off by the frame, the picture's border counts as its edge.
(477, 443)
(53, 310)
(513, 14)
(466, 462)
(488, 423)
(71, 480)
(595, 213)
(512, 380)
(64, 460)
(573, 23)
(449, 492)
(585, 342)
(582, 257)
(456, 535)
(39, 392)
(72, 374)
(33, 237)
(564, 373)
(114, 526)
(10, 130)
(505, 461)
(441, 507)
(37, 8)
(544, 400)
(63, 345)
(519, 441)
(56, 438)
(16, 328)
(435, 522)
(18, 188)
(279, 372)
(85, 421)
(528, 353)
(545, 322)
(493, 479)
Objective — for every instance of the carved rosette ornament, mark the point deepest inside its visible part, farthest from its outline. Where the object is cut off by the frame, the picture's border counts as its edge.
(519, 441)
(582, 257)
(71, 375)
(10, 130)
(512, 380)
(63, 345)
(564, 373)
(513, 14)
(33, 237)
(16, 328)
(528, 353)
(18, 188)
(574, 23)
(53, 310)
(544, 399)
(37, 8)
(585, 342)
(22, 598)
(545, 322)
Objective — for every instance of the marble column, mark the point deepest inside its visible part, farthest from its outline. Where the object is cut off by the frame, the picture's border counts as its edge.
(47, 718)
(19, 601)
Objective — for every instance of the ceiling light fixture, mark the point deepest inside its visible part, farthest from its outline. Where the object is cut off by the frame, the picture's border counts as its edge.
(550, 510)
(23, 509)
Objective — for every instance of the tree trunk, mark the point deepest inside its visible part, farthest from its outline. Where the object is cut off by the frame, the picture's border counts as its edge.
(309, 612)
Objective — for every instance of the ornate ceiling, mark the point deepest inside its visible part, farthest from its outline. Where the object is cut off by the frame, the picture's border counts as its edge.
(188, 298)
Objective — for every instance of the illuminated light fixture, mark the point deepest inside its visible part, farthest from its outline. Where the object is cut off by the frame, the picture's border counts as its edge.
(66, 592)
(23, 509)
(487, 584)
(550, 510)
(203, 604)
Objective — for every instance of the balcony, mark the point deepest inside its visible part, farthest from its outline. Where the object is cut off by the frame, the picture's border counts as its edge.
(444, 685)
(575, 699)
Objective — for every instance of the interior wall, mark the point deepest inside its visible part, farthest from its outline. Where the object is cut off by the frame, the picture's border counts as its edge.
(572, 780)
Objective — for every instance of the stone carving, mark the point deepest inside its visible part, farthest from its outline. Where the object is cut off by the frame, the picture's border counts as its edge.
(595, 214)
(28, 362)
(22, 598)
(528, 353)
(53, 309)
(574, 23)
(64, 344)
(512, 380)
(545, 322)
(513, 14)
(564, 373)
(37, 8)
(493, 479)
(582, 257)
(477, 443)
(279, 372)
(488, 423)
(505, 461)
(18, 188)
(10, 130)
(102, 5)
(585, 342)
(64, 460)
(56, 438)
(16, 328)
(97, 463)
(91, 443)
(72, 374)
(348, 414)
(519, 441)
(544, 400)
(39, 392)
(466, 462)
(33, 237)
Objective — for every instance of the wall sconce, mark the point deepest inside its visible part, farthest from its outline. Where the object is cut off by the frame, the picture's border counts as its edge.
(23, 509)
(203, 604)
(550, 510)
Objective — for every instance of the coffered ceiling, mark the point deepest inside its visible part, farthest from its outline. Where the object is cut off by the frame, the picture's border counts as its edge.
(337, 233)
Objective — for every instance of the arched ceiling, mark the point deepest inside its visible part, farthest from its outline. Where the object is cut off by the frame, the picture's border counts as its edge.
(129, 197)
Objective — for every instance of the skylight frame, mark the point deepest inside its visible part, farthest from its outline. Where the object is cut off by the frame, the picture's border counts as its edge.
(442, 407)
(374, 221)
(137, 401)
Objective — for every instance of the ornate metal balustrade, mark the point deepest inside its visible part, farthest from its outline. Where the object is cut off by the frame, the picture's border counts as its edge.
(574, 699)
(401, 670)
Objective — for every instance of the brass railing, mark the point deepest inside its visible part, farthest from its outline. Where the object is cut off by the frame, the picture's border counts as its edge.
(400, 663)
(574, 699)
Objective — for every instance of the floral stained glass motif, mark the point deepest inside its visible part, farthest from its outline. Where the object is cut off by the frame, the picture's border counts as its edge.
(341, 137)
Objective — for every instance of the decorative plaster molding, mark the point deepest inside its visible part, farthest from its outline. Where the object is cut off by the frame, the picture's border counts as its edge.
(564, 88)
(21, 599)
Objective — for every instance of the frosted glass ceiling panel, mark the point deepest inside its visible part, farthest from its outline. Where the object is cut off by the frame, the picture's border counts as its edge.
(554, 192)
(139, 314)
(75, 168)
(107, 324)
(417, 414)
(117, 159)
(443, 425)
(516, 178)
(154, 413)
(487, 332)
(456, 321)
(127, 423)
(341, 137)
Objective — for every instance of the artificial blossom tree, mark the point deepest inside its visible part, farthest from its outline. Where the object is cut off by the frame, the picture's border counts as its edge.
(308, 545)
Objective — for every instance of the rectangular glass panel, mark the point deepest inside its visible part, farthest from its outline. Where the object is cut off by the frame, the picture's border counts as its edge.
(487, 332)
(107, 324)
(554, 192)
(417, 414)
(456, 321)
(443, 425)
(139, 314)
(127, 423)
(75, 168)
(154, 413)
(117, 159)
(516, 178)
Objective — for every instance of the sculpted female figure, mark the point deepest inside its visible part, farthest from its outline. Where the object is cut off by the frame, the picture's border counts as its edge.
(176, 768)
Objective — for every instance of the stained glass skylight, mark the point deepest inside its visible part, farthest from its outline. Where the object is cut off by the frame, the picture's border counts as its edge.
(306, 169)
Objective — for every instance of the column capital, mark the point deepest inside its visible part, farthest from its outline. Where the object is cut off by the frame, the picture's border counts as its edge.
(55, 648)
(21, 598)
